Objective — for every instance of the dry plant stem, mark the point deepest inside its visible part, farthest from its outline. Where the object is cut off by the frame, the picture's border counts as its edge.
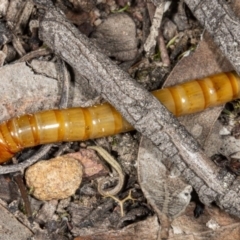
(140, 109)
(64, 78)
(150, 43)
(23, 18)
(220, 21)
(19, 180)
(34, 54)
(163, 50)
(20, 167)
(63, 102)
(18, 46)
(62, 148)
(121, 202)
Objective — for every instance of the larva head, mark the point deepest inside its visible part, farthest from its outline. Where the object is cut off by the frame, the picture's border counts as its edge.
(236, 84)
(5, 154)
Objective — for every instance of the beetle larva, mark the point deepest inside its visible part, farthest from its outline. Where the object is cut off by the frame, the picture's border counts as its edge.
(77, 124)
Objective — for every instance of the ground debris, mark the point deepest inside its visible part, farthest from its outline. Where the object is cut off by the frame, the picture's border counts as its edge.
(11, 228)
(120, 29)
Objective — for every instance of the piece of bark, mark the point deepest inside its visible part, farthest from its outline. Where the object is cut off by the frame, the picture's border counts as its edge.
(8, 189)
(219, 20)
(11, 228)
(214, 224)
(45, 68)
(141, 109)
(23, 17)
(150, 43)
(146, 229)
(5, 34)
(13, 11)
(47, 211)
(3, 7)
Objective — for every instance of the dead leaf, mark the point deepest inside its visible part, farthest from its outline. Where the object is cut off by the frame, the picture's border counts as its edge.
(166, 193)
(117, 36)
(205, 61)
(214, 224)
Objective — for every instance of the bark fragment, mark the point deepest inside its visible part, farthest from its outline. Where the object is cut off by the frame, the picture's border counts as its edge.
(221, 22)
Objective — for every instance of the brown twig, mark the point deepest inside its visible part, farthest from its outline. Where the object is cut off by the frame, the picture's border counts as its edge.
(34, 54)
(19, 180)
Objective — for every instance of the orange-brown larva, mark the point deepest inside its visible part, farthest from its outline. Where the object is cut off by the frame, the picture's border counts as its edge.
(77, 124)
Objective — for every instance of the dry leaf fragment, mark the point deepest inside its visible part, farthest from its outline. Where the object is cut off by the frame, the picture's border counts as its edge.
(214, 224)
(117, 36)
(166, 193)
(205, 61)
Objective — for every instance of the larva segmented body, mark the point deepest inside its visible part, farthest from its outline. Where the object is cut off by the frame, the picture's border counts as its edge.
(77, 124)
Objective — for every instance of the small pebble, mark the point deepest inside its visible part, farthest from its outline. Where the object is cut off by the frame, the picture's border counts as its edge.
(97, 22)
(224, 131)
(57, 178)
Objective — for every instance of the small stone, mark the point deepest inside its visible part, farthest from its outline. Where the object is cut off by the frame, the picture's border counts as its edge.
(169, 29)
(57, 178)
(224, 131)
(97, 22)
(212, 224)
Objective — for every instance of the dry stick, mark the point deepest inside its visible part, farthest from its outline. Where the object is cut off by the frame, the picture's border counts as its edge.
(22, 187)
(220, 21)
(140, 109)
(160, 40)
(163, 50)
(150, 43)
(34, 54)
(65, 79)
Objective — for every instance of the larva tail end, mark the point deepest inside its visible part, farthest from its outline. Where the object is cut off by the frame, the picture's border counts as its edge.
(5, 154)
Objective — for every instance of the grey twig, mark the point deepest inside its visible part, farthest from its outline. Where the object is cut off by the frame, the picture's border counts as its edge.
(142, 110)
(221, 22)
(150, 43)
(64, 78)
(20, 167)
